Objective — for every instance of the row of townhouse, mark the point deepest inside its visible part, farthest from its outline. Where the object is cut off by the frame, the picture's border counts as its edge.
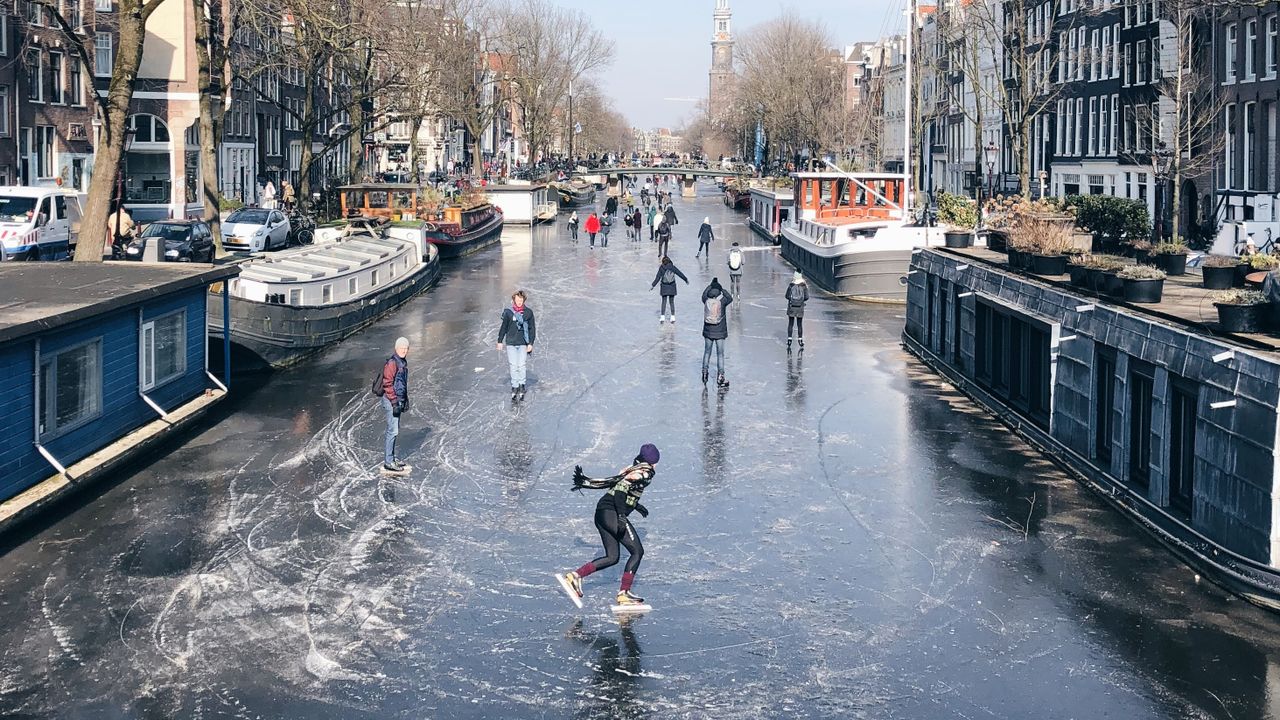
(1105, 108)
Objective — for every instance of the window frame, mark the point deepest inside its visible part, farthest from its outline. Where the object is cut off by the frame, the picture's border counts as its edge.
(108, 47)
(5, 109)
(1231, 41)
(46, 397)
(57, 77)
(147, 355)
(1250, 55)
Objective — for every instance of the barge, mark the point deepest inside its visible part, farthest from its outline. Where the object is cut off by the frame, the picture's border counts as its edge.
(770, 209)
(456, 228)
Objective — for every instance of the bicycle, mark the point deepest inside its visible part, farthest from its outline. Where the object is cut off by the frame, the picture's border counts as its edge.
(1266, 248)
(302, 229)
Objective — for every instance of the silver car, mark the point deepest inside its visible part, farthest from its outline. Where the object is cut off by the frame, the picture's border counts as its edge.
(255, 229)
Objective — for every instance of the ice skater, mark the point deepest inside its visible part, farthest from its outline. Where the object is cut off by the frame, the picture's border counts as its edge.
(592, 227)
(622, 496)
(705, 236)
(715, 328)
(667, 274)
(735, 269)
(797, 295)
(664, 237)
(573, 224)
(606, 224)
(518, 333)
(395, 398)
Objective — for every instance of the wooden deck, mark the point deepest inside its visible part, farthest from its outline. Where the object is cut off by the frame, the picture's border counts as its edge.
(1184, 302)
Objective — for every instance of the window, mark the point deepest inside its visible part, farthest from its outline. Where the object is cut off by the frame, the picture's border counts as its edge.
(1141, 385)
(1141, 64)
(352, 285)
(1093, 126)
(162, 349)
(1104, 399)
(1272, 147)
(1077, 146)
(1104, 123)
(295, 296)
(35, 76)
(74, 15)
(1124, 63)
(1115, 50)
(1058, 145)
(4, 110)
(1182, 445)
(373, 282)
(4, 35)
(1095, 49)
(75, 82)
(1229, 149)
(56, 88)
(103, 58)
(35, 14)
(1230, 59)
(1250, 41)
(1104, 54)
(70, 388)
(1013, 360)
(1250, 113)
(1115, 121)
(102, 5)
(326, 293)
(44, 151)
(1273, 26)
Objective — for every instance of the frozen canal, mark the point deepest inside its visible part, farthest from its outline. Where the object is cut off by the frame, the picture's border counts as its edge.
(838, 535)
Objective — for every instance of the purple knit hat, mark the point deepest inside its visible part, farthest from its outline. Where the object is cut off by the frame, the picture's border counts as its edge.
(649, 453)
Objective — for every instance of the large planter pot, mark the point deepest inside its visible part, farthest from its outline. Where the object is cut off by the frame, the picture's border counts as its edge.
(1112, 284)
(1171, 263)
(1243, 318)
(1142, 256)
(1218, 278)
(1079, 275)
(959, 238)
(1048, 264)
(1143, 291)
(997, 241)
(1095, 280)
(1017, 259)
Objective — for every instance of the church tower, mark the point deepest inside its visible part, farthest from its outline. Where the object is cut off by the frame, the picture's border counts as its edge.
(722, 73)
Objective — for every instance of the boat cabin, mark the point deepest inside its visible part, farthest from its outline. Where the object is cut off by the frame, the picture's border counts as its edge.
(834, 198)
(394, 201)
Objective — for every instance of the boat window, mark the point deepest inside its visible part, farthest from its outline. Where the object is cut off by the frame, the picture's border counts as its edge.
(326, 293)
(842, 191)
(16, 209)
(352, 286)
(373, 282)
(402, 200)
(378, 199)
(295, 296)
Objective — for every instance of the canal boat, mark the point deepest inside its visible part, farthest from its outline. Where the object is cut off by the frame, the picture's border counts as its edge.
(458, 227)
(770, 209)
(524, 203)
(737, 194)
(291, 304)
(574, 194)
(850, 234)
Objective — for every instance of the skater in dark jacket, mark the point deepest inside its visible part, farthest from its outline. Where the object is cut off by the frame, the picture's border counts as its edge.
(715, 328)
(518, 333)
(670, 214)
(797, 295)
(395, 398)
(622, 496)
(636, 221)
(664, 237)
(573, 224)
(606, 224)
(705, 236)
(667, 274)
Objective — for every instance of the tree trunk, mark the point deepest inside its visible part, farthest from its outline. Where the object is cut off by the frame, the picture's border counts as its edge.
(1175, 205)
(210, 114)
(1024, 158)
(109, 153)
(355, 145)
(308, 135)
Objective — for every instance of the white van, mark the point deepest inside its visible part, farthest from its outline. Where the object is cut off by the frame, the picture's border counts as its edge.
(38, 223)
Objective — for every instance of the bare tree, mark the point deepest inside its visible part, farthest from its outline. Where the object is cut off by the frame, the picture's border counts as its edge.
(211, 40)
(549, 48)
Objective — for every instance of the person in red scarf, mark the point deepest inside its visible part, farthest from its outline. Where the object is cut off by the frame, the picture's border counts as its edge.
(517, 334)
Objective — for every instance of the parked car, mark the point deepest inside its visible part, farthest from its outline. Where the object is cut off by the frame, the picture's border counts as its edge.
(38, 223)
(255, 229)
(181, 241)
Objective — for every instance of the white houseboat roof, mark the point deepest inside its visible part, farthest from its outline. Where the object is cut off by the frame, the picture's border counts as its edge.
(775, 193)
(329, 260)
(845, 176)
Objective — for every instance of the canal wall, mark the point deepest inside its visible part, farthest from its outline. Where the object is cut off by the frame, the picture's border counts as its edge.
(1175, 427)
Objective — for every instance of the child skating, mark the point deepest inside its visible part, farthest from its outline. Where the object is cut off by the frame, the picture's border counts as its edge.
(622, 495)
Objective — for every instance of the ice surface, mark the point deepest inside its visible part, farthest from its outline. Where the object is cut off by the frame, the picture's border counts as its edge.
(837, 535)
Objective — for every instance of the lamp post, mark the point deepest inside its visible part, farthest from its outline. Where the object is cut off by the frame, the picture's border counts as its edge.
(1162, 164)
(992, 153)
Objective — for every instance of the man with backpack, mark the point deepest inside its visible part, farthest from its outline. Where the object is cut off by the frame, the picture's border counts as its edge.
(392, 387)
(664, 237)
(715, 328)
(735, 269)
(636, 223)
(517, 333)
(606, 224)
(667, 274)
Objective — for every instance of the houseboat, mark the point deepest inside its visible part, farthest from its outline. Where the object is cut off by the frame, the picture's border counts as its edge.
(525, 203)
(770, 209)
(288, 305)
(100, 363)
(455, 228)
(737, 194)
(849, 234)
(574, 193)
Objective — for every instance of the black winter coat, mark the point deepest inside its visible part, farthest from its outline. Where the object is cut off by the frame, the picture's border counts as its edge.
(510, 333)
(671, 216)
(668, 289)
(797, 295)
(705, 234)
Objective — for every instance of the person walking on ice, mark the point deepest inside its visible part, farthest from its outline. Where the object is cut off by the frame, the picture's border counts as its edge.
(592, 227)
(622, 496)
(667, 274)
(715, 328)
(797, 295)
(395, 398)
(517, 333)
(573, 224)
(705, 236)
(735, 269)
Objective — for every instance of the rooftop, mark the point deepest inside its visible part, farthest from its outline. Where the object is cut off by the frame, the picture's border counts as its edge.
(40, 296)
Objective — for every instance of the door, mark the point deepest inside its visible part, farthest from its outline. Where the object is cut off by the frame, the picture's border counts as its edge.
(279, 231)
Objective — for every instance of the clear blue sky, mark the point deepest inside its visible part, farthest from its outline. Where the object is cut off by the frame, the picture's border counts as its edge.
(663, 47)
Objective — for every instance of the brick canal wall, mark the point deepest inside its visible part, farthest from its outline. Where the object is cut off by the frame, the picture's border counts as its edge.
(1139, 407)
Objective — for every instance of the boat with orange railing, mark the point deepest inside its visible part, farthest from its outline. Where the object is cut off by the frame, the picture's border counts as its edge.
(456, 228)
(850, 234)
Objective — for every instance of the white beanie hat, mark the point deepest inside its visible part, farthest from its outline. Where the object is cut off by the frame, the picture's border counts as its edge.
(798, 277)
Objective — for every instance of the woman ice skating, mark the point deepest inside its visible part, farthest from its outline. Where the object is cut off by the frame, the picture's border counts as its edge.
(735, 269)
(592, 227)
(664, 237)
(667, 274)
(797, 295)
(670, 214)
(650, 215)
(518, 333)
(573, 224)
(705, 236)
(622, 496)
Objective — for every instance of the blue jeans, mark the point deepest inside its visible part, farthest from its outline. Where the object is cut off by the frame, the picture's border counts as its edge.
(517, 356)
(707, 344)
(393, 429)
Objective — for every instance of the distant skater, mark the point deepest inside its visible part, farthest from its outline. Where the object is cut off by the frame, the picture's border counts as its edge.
(797, 295)
(667, 274)
(670, 213)
(622, 495)
(592, 227)
(735, 270)
(650, 215)
(573, 224)
(517, 333)
(636, 221)
(705, 236)
(664, 237)
(606, 224)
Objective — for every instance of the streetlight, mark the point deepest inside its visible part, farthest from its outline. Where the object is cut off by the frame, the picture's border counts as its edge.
(992, 153)
(1162, 164)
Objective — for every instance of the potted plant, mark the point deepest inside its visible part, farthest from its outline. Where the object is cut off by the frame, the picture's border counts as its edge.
(1051, 240)
(1109, 219)
(1142, 283)
(1140, 250)
(1078, 268)
(1171, 257)
(958, 238)
(1242, 311)
(1218, 272)
(1103, 277)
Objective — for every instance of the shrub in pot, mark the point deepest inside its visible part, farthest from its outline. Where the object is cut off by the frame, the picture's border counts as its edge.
(1241, 310)
(1170, 257)
(957, 211)
(1140, 250)
(1142, 283)
(1218, 272)
(1111, 219)
(958, 238)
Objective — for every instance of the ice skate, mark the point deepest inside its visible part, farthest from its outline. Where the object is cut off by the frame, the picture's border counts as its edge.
(662, 319)
(704, 376)
(515, 394)
(572, 586)
(521, 392)
(673, 318)
(801, 343)
(395, 468)
(721, 382)
(628, 603)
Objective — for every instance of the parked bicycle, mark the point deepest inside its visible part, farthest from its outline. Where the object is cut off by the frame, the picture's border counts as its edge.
(302, 229)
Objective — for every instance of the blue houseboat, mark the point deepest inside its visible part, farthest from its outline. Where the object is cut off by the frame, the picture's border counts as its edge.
(98, 362)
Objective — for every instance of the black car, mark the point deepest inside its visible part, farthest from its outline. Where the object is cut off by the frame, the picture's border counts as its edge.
(181, 241)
